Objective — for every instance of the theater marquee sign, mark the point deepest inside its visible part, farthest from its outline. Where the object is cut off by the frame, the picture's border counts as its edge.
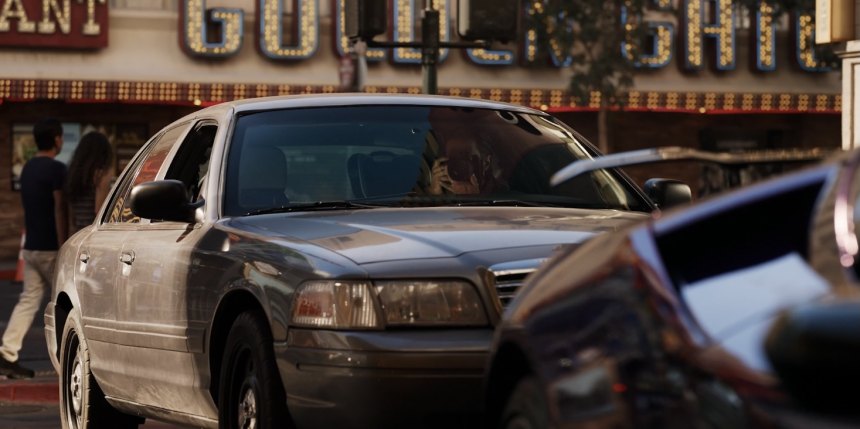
(702, 32)
(73, 24)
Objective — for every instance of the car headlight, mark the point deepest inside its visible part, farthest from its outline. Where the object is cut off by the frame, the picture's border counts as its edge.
(423, 303)
(353, 304)
(334, 304)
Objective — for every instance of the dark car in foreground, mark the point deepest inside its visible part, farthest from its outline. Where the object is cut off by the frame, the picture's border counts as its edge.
(321, 261)
(739, 311)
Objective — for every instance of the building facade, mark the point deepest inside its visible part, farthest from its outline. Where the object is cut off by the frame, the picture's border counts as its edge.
(841, 31)
(714, 75)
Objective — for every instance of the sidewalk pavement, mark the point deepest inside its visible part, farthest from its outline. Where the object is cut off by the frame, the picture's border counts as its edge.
(43, 388)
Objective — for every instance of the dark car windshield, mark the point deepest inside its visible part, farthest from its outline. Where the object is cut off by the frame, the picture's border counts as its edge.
(410, 156)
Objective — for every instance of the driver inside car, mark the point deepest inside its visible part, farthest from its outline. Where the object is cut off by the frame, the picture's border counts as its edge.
(465, 169)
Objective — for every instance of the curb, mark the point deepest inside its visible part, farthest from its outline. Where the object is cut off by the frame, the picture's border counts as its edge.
(41, 389)
(30, 391)
(7, 274)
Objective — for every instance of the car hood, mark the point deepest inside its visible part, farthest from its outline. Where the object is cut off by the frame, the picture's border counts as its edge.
(389, 234)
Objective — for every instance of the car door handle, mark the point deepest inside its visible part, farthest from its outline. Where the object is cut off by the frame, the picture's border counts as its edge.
(84, 257)
(126, 257)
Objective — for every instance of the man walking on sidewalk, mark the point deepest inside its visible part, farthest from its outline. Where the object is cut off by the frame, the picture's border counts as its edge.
(46, 229)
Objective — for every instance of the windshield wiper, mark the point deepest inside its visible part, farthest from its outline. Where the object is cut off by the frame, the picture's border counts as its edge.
(504, 203)
(397, 196)
(318, 205)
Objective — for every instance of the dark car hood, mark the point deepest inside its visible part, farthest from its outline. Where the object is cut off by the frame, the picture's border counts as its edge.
(377, 235)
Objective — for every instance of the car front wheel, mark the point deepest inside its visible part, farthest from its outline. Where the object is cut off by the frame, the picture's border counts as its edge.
(82, 403)
(526, 408)
(251, 395)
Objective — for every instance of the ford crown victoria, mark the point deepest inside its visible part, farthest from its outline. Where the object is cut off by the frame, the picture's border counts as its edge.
(318, 261)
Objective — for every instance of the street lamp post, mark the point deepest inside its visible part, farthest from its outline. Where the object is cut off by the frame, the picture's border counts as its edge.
(430, 50)
(429, 45)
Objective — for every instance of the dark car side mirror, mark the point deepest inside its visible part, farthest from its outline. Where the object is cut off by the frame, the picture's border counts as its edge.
(814, 351)
(166, 200)
(668, 193)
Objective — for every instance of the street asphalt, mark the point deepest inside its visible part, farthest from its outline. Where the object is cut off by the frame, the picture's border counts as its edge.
(42, 388)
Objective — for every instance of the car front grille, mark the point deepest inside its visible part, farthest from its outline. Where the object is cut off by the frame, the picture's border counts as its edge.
(509, 276)
(507, 286)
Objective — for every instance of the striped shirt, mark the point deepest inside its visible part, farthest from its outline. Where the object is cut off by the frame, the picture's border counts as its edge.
(82, 211)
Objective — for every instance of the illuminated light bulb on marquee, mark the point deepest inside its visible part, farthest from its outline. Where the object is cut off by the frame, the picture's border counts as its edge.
(405, 17)
(61, 13)
(722, 29)
(54, 23)
(805, 41)
(91, 26)
(195, 40)
(15, 10)
(490, 57)
(101, 91)
(559, 59)
(662, 34)
(271, 29)
(765, 39)
(218, 32)
(672, 100)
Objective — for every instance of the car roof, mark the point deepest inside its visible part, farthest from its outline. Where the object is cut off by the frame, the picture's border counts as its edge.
(360, 99)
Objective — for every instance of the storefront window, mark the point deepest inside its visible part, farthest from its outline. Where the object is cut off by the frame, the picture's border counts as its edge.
(717, 178)
(126, 139)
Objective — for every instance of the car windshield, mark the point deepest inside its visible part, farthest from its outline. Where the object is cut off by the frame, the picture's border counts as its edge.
(407, 156)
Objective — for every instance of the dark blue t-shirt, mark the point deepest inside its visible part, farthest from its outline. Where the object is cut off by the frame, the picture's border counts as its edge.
(40, 177)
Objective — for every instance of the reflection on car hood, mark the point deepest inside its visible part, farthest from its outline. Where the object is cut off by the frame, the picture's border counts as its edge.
(378, 235)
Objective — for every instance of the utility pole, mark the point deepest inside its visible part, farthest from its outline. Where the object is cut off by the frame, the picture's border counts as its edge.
(430, 50)
(366, 19)
(429, 45)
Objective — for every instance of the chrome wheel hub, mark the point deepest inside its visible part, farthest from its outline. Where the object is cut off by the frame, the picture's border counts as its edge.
(248, 410)
(76, 386)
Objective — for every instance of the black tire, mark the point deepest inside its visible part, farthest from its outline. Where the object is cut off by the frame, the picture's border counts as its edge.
(82, 403)
(526, 407)
(251, 395)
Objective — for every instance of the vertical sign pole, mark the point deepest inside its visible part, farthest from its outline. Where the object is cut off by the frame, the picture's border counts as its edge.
(430, 49)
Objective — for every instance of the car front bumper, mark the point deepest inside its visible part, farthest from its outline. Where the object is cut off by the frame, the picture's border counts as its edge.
(384, 379)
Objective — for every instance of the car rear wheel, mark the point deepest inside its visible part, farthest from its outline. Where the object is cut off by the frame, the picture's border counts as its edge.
(251, 394)
(82, 403)
(526, 408)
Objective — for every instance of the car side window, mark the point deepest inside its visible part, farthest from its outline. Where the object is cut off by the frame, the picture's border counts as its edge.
(191, 162)
(144, 170)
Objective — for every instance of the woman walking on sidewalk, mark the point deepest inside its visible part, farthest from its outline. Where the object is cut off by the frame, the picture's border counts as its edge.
(90, 175)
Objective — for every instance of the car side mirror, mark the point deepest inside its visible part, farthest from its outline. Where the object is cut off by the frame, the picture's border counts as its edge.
(813, 350)
(668, 193)
(166, 200)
